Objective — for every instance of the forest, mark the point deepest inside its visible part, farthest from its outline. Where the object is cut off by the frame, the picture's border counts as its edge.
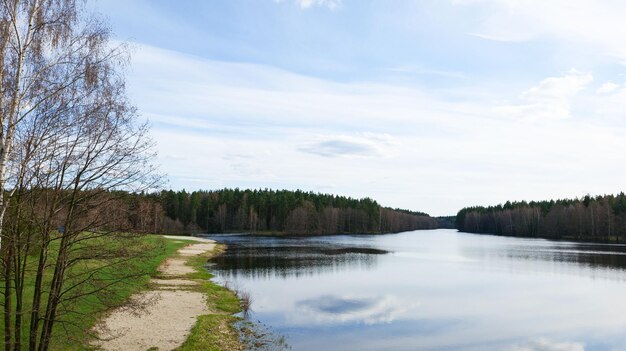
(599, 218)
(282, 211)
(255, 211)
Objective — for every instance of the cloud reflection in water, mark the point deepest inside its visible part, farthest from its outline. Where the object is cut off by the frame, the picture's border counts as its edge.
(350, 309)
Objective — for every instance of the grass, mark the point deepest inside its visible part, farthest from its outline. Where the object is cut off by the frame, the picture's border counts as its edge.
(220, 330)
(215, 331)
(73, 333)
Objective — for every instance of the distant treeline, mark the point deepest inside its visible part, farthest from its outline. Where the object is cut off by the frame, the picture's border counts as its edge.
(446, 222)
(600, 218)
(282, 211)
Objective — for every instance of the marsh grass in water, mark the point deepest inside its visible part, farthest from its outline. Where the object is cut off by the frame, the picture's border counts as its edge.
(257, 336)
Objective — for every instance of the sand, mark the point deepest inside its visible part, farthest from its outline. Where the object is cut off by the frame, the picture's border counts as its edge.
(168, 312)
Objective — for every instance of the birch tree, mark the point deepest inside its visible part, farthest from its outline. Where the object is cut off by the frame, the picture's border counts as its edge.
(69, 139)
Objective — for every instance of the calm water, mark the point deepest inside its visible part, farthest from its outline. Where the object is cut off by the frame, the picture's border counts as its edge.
(432, 290)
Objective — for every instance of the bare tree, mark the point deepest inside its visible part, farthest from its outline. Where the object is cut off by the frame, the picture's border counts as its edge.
(69, 140)
(37, 37)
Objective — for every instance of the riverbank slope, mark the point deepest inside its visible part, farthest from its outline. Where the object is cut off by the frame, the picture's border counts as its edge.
(182, 310)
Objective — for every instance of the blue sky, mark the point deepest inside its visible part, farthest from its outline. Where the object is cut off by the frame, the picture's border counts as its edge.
(426, 105)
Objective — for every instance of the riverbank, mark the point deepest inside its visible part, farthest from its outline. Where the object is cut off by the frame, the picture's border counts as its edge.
(121, 279)
(565, 238)
(266, 233)
(182, 310)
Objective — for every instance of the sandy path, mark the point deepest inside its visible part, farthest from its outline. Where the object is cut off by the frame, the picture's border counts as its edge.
(171, 309)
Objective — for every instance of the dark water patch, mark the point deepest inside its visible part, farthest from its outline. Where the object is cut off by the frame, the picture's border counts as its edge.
(354, 250)
(250, 256)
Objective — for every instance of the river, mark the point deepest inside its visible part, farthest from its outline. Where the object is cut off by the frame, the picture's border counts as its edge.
(431, 290)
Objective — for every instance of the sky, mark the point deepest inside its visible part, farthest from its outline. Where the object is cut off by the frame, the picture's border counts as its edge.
(424, 105)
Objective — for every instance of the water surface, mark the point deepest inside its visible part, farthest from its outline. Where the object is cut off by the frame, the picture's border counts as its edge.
(431, 290)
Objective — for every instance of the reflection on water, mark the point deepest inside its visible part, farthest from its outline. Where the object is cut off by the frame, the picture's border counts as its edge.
(432, 290)
(272, 257)
(367, 310)
(593, 260)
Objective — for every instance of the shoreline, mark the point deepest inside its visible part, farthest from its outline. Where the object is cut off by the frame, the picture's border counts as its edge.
(292, 235)
(561, 239)
(182, 309)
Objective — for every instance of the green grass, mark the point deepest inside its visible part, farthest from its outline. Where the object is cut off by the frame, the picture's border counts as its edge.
(73, 333)
(218, 297)
(215, 331)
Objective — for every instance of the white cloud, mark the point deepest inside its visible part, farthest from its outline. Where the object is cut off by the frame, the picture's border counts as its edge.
(543, 344)
(216, 95)
(305, 4)
(417, 70)
(338, 147)
(212, 112)
(551, 98)
(607, 88)
(610, 103)
(558, 87)
(363, 144)
(595, 24)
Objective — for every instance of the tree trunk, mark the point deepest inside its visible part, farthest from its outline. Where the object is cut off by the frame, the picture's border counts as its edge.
(8, 312)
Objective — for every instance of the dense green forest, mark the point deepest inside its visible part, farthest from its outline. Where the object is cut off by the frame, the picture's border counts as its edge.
(600, 218)
(282, 211)
(255, 211)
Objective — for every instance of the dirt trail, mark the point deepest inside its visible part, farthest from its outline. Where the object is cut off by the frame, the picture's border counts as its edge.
(171, 309)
